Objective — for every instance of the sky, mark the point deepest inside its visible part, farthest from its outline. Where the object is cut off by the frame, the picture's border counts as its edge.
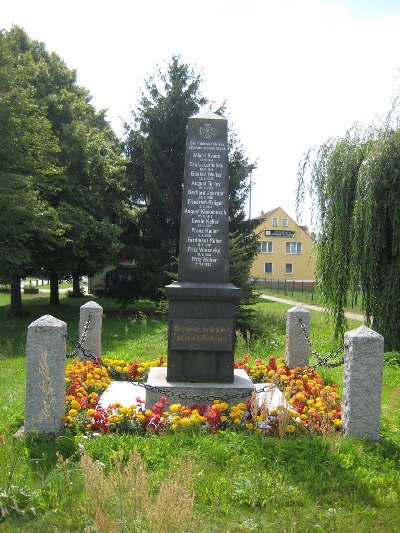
(293, 73)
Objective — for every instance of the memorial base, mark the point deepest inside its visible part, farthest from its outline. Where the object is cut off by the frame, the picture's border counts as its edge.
(201, 331)
(177, 392)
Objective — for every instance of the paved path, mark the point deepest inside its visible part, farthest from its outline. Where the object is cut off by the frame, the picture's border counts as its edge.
(353, 316)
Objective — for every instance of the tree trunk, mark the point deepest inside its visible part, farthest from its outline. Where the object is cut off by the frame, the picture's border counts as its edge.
(16, 299)
(76, 288)
(54, 294)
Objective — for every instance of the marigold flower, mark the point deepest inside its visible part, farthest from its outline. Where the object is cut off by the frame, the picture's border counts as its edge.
(76, 405)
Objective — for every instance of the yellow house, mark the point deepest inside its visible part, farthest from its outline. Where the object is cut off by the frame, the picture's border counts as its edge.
(285, 250)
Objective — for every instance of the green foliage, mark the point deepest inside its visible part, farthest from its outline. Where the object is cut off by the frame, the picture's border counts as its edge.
(242, 482)
(50, 132)
(155, 146)
(355, 185)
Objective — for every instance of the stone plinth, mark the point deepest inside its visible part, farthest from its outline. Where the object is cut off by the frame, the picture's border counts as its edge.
(45, 376)
(178, 392)
(297, 347)
(92, 340)
(362, 383)
(201, 333)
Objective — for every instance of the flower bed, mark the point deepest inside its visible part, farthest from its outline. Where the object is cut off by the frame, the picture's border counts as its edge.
(314, 406)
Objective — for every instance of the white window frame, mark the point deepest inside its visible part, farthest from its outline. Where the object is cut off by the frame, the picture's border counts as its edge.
(285, 222)
(275, 222)
(268, 245)
(286, 270)
(265, 272)
(297, 245)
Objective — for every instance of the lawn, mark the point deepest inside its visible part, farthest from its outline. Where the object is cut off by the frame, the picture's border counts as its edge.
(240, 481)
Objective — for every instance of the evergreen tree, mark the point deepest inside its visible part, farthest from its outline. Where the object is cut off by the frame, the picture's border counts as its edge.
(155, 146)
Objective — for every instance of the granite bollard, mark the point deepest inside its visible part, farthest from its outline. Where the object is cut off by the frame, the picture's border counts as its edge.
(45, 376)
(92, 339)
(362, 383)
(297, 346)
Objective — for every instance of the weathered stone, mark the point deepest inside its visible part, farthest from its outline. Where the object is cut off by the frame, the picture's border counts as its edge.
(362, 383)
(202, 302)
(92, 341)
(45, 376)
(297, 347)
(177, 392)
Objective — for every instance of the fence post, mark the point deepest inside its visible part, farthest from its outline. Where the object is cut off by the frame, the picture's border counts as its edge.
(45, 376)
(92, 341)
(362, 383)
(297, 347)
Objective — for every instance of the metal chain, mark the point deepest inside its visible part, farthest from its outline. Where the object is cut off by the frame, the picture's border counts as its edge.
(323, 361)
(159, 390)
(78, 344)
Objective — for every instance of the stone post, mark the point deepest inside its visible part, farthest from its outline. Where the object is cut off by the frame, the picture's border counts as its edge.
(297, 347)
(92, 340)
(362, 383)
(45, 376)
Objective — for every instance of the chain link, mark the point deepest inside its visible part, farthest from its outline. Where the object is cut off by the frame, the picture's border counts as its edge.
(78, 344)
(323, 361)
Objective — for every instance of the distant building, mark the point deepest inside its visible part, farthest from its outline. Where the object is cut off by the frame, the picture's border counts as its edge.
(285, 249)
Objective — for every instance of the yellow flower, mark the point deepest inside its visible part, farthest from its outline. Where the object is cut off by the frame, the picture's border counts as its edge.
(76, 405)
(290, 428)
(224, 418)
(241, 406)
(237, 421)
(337, 422)
(91, 412)
(72, 412)
(184, 422)
(249, 425)
(176, 419)
(175, 407)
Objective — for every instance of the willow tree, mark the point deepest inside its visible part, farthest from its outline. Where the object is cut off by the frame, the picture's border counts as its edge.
(354, 184)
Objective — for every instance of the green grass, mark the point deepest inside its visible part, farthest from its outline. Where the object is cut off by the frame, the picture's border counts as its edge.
(242, 482)
(306, 297)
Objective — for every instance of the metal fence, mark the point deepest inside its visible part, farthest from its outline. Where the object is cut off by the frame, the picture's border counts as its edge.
(285, 285)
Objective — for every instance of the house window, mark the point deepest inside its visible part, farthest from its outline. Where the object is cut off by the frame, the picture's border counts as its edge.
(274, 221)
(288, 268)
(294, 248)
(264, 247)
(268, 268)
(285, 222)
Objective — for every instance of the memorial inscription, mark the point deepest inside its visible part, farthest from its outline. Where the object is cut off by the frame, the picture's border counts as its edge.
(205, 203)
(201, 334)
(202, 302)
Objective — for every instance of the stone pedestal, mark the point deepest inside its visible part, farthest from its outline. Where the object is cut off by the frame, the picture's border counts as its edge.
(362, 383)
(201, 331)
(297, 346)
(92, 340)
(177, 392)
(45, 376)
